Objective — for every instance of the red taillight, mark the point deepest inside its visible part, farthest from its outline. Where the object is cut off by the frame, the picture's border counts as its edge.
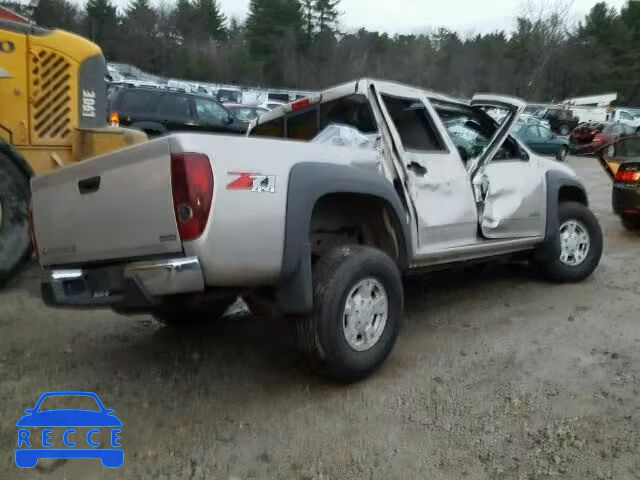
(627, 176)
(300, 104)
(192, 188)
(599, 139)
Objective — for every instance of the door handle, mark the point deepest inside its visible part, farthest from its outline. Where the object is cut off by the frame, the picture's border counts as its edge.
(418, 169)
(89, 185)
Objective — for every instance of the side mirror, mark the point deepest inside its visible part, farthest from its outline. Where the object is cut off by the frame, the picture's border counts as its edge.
(230, 118)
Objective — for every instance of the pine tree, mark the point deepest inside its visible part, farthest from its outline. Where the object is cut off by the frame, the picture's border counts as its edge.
(184, 18)
(308, 19)
(140, 16)
(57, 14)
(140, 28)
(102, 20)
(326, 15)
(269, 22)
(209, 22)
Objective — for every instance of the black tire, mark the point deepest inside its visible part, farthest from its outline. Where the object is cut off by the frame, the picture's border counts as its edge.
(15, 240)
(557, 271)
(561, 156)
(564, 129)
(631, 223)
(321, 335)
(177, 314)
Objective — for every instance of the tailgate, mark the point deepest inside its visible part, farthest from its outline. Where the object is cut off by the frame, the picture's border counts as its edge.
(115, 206)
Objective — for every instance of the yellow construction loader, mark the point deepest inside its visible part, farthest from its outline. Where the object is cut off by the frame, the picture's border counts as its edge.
(52, 114)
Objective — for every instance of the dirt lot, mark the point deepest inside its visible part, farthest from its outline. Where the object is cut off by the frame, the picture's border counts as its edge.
(496, 375)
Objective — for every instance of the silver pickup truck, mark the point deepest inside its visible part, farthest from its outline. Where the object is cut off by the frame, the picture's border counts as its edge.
(320, 225)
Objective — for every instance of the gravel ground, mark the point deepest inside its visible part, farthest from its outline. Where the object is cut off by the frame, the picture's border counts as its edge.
(496, 375)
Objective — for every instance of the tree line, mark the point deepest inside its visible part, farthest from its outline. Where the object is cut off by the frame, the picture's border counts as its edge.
(299, 44)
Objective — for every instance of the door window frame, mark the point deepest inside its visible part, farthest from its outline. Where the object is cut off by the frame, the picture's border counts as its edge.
(430, 122)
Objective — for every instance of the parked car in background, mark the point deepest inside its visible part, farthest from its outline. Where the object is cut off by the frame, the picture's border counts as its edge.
(229, 95)
(204, 90)
(626, 117)
(179, 86)
(621, 160)
(245, 113)
(113, 75)
(525, 118)
(589, 138)
(542, 140)
(561, 120)
(157, 112)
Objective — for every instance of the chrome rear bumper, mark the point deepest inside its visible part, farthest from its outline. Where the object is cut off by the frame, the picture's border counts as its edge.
(136, 284)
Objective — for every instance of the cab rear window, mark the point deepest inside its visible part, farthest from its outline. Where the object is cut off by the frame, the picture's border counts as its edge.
(353, 111)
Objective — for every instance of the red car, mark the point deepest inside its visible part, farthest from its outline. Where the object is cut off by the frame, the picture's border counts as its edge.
(590, 137)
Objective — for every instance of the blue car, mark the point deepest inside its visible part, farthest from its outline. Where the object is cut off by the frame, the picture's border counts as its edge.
(28, 453)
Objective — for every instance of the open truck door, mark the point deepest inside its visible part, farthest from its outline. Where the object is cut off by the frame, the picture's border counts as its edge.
(623, 151)
(621, 161)
(509, 193)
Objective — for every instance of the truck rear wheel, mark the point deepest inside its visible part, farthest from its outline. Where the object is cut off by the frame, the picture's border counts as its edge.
(581, 242)
(15, 241)
(358, 304)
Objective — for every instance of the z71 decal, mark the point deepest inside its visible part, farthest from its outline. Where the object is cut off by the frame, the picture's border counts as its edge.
(254, 182)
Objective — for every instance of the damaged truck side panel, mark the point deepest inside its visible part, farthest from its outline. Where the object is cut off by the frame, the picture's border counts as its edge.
(316, 214)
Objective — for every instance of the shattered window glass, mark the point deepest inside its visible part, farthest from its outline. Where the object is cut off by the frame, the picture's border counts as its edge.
(344, 136)
(471, 130)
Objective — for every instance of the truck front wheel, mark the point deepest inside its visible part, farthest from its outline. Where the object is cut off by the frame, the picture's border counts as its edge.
(580, 238)
(15, 242)
(358, 305)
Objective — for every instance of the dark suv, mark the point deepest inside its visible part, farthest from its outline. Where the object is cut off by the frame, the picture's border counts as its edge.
(157, 112)
(561, 121)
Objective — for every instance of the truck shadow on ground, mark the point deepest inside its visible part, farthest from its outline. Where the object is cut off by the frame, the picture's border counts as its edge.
(246, 348)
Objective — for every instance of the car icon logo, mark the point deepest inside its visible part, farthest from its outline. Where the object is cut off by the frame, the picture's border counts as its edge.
(66, 428)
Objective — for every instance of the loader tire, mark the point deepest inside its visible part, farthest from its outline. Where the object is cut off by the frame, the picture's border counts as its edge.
(15, 241)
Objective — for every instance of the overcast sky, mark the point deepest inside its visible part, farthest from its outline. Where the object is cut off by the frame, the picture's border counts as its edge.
(414, 16)
(411, 16)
